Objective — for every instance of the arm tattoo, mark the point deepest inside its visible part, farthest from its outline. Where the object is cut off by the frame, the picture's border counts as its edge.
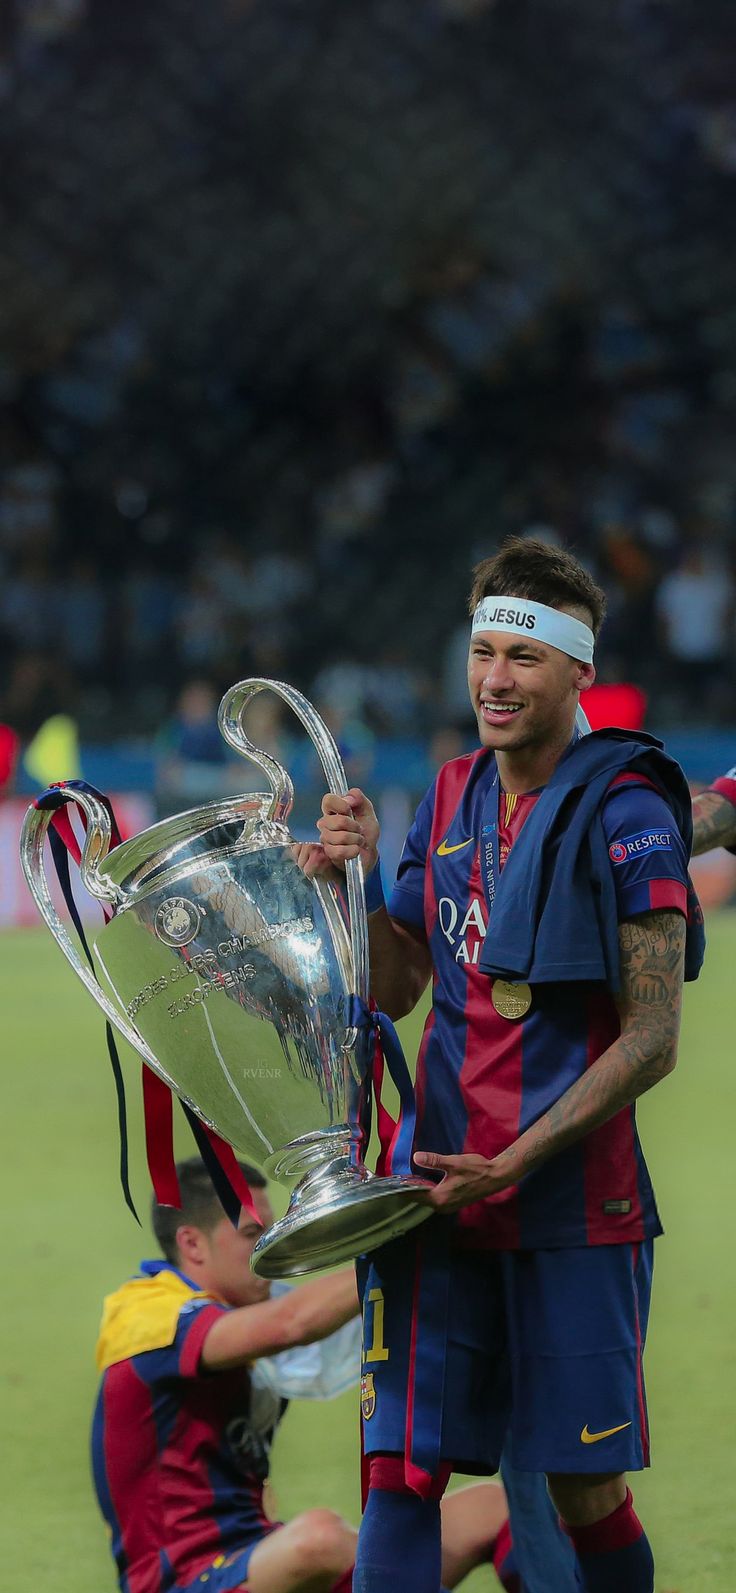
(652, 953)
(714, 822)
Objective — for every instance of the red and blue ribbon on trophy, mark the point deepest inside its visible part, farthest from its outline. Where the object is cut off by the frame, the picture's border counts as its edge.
(219, 1158)
(396, 1136)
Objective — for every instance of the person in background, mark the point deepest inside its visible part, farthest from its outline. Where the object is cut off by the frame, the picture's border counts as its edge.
(695, 606)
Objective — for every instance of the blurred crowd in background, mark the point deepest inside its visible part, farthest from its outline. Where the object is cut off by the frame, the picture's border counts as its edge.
(305, 304)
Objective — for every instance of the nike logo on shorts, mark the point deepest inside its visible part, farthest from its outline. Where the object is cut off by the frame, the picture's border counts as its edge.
(595, 1438)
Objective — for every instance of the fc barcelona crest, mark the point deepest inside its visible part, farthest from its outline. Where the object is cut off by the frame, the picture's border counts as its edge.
(367, 1396)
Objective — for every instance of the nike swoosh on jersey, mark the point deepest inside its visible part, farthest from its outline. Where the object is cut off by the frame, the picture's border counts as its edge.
(595, 1438)
(443, 850)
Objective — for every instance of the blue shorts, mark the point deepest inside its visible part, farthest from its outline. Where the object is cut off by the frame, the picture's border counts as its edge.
(435, 1376)
(227, 1572)
(464, 1351)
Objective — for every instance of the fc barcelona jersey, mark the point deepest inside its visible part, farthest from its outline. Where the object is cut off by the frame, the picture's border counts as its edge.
(482, 1078)
(179, 1456)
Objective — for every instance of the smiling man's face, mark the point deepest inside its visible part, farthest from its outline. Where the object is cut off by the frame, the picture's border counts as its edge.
(524, 693)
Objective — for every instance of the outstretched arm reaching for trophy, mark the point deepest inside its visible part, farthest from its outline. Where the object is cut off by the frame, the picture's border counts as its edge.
(400, 960)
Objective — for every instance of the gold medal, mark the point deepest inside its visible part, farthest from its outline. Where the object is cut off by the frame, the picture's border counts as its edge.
(510, 1000)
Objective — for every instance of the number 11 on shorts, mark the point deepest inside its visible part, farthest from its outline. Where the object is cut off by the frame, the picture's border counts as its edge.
(376, 1350)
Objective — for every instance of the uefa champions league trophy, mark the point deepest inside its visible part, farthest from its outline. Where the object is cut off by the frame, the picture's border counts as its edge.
(235, 977)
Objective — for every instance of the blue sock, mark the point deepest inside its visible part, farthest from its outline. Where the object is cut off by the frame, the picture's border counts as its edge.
(630, 1568)
(614, 1555)
(399, 1548)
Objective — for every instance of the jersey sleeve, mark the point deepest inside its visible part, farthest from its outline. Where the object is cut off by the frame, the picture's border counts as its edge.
(646, 851)
(181, 1357)
(725, 786)
(406, 901)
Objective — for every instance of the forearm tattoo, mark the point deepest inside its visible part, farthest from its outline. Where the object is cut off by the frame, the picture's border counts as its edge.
(714, 822)
(652, 957)
(652, 953)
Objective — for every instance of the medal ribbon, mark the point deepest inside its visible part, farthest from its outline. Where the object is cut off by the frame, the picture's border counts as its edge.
(219, 1158)
(490, 845)
(490, 850)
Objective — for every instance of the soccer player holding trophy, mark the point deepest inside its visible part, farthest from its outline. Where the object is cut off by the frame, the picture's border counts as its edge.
(543, 888)
(243, 985)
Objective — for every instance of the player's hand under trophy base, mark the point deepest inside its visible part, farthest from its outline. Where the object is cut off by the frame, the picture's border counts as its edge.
(467, 1178)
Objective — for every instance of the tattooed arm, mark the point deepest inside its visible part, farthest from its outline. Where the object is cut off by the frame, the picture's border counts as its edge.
(652, 954)
(714, 821)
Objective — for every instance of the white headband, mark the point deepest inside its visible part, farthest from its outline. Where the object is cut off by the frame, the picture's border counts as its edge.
(520, 617)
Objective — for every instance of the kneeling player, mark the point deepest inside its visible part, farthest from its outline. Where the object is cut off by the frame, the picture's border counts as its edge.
(185, 1417)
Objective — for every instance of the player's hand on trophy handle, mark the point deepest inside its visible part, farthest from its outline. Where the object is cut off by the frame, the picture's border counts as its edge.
(349, 828)
(466, 1178)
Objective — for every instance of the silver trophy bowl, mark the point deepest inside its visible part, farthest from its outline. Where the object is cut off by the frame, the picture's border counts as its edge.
(231, 973)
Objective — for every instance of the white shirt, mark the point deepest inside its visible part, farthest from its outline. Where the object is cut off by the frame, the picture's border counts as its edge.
(696, 609)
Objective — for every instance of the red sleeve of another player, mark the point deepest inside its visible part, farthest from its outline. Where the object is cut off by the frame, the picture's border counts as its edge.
(725, 785)
(180, 1358)
(193, 1326)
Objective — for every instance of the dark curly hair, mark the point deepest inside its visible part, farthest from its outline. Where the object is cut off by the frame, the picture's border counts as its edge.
(525, 567)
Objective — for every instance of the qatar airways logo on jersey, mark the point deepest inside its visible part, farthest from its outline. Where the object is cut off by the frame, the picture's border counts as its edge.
(465, 933)
(645, 841)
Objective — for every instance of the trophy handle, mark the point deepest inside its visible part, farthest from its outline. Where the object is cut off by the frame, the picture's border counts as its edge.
(230, 720)
(94, 851)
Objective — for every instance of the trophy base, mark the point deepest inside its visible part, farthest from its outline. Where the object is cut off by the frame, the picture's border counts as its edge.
(331, 1223)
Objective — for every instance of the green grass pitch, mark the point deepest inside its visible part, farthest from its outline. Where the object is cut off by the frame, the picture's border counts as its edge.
(69, 1239)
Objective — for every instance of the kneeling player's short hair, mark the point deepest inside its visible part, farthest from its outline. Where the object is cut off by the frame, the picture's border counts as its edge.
(525, 567)
(200, 1204)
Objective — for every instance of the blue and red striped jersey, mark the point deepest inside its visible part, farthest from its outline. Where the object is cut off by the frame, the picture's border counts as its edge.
(179, 1457)
(482, 1079)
